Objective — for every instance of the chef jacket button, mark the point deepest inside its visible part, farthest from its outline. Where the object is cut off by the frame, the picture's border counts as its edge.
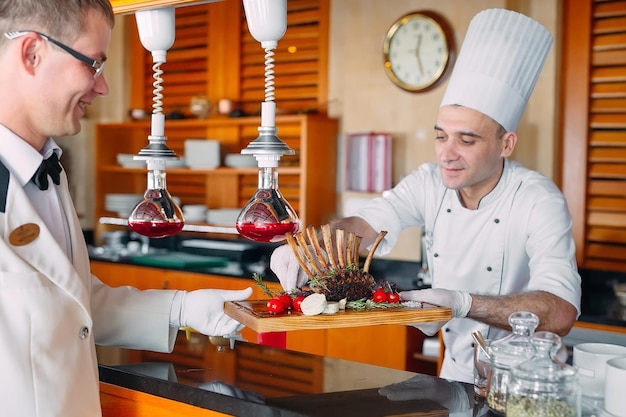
(436, 255)
(447, 329)
(489, 269)
(496, 221)
(84, 332)
(449, 210)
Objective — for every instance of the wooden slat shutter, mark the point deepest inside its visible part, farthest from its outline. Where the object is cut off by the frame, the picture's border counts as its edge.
(300, 61)
(214, 55)
(594, 165)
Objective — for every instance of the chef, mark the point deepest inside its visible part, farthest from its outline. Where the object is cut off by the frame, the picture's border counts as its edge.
(497, 235)
(52, 310)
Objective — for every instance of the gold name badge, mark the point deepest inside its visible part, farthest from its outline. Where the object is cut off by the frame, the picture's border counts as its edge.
(24, 234)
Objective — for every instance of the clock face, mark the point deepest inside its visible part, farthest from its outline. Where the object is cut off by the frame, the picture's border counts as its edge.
(417, 51)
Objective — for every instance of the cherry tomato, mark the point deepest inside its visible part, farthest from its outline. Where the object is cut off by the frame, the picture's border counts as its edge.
(285, 299)
(393, 297)
(274, 305)
(295, 304)
(379, 296)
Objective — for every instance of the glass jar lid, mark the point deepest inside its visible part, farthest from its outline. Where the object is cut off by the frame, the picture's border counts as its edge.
(516, 347)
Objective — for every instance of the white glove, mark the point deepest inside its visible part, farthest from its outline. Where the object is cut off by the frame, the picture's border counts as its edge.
(459, 302)
(203, 310)
(284, 264)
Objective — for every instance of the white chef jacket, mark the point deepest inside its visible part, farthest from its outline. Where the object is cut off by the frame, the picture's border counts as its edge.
(53, 311)
(518, 240)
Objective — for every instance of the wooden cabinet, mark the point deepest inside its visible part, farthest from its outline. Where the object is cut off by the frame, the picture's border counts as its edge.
(386, 345)
(307, 179)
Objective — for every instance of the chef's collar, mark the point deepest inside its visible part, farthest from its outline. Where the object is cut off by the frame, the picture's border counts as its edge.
(21, 158)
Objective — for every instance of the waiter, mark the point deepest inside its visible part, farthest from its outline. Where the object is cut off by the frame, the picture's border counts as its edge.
(53, 311)
(498, 235)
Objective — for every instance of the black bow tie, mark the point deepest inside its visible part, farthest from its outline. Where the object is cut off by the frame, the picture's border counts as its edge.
(50, 166)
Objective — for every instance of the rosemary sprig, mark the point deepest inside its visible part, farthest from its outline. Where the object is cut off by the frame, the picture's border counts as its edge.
(368, 304)
(258, 281)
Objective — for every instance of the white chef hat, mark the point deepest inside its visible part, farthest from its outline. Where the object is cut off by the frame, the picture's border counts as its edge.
(498, 65)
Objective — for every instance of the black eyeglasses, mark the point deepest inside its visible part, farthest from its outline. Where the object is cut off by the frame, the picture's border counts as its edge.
(96, 66)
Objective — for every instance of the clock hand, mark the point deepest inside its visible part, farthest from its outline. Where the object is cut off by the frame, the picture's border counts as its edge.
(417, 54)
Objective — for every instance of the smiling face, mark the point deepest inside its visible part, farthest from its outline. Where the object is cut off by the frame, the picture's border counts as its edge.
(48, 89)
(470, 148)
(67, 84)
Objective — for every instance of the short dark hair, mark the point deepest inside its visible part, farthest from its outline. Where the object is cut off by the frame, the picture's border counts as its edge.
(61, 19)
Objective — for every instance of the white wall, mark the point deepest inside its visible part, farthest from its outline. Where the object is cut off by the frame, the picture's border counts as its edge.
(364, 99)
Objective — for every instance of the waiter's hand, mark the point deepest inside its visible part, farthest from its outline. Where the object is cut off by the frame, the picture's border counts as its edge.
(287, 269)
(459, 302)
(203, 310)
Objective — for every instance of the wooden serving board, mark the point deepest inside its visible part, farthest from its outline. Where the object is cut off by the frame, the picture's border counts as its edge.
(254, 314)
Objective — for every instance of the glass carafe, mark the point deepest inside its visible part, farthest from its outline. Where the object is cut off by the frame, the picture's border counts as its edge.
(543, 386)
(157, 215)
(506, 353)
(267, 216)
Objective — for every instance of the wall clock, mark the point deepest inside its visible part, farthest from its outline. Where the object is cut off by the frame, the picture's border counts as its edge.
(418, 51)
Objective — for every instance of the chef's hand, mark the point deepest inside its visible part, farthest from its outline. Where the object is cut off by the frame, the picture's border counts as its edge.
(203, 310)
(287, 269)
(459, 302)
(449, 394)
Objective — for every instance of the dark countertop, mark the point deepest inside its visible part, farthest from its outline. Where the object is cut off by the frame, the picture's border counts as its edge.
(255, 380)
(599, 303)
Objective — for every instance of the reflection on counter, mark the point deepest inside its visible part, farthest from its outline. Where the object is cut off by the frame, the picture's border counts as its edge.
(255, 380)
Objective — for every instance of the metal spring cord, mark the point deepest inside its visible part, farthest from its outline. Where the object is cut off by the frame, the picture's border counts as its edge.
(157, 106)
(269, 75)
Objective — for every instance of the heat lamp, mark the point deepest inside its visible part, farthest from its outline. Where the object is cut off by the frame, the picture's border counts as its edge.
(267, 216)
(157, 215)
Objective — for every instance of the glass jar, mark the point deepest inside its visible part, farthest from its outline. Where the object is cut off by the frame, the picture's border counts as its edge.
(543, 386)
(506, 353)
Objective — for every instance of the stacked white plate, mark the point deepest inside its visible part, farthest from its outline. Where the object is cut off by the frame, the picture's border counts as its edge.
(122, 204)
(127, 161)
(223, 217)
(237, 160)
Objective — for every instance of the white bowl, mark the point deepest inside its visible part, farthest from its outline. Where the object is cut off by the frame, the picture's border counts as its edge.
(620, 293)
(195, 212)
